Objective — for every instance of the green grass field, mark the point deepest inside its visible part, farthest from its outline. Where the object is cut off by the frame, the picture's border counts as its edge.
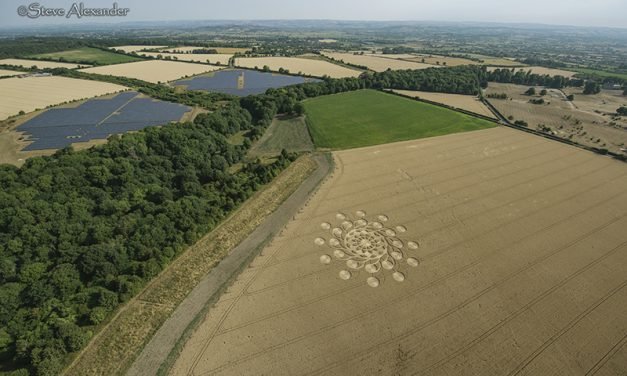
(88, 55)
(368, 117)
(289, 133)
(601, 73)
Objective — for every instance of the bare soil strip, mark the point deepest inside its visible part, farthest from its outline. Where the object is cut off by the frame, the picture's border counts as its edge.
(114, 349)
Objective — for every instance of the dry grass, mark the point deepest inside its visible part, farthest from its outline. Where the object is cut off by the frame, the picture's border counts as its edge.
(31, 93)
(199, 58)
(153, 70)
(40, 64)
(312, 67)
(522, 257)
(135, 48)
(464, 102)
(541, 70)
(580, 124)
(8, 73)
(117, 345)
(377, 63)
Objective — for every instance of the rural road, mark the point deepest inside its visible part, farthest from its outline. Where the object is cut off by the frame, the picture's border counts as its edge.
(164, 340)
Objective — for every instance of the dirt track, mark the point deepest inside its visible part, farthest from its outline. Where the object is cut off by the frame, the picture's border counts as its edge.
(166, 337)
(520, 269)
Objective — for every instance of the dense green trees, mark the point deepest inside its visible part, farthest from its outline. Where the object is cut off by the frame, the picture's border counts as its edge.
(521, 77)
(591, 87)
(622, 110)
(81, 232)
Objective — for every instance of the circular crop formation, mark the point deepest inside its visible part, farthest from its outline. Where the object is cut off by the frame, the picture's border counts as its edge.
(367, 245)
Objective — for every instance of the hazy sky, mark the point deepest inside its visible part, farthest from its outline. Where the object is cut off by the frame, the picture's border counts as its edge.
(563, 12)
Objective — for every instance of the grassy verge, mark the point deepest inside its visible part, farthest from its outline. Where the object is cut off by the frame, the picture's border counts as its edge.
(285, 132)
(119, 343)
(368, 117)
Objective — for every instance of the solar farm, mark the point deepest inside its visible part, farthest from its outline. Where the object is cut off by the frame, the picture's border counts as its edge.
(97, 119)
(241, 82)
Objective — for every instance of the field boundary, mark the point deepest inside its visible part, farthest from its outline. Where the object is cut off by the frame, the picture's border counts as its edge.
(391, 91)
(162, 350)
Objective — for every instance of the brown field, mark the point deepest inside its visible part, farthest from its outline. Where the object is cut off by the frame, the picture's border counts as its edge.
(199, 58)
(312, 67)
(377, 63)
(153, 70)
(129, 49)
(40, 64)
(464, 102)
(450, 61)
(32, 93)
(9, 73)
(580, 124)
(542, 70)
(221, 50)
(606, 102)
(501, 253)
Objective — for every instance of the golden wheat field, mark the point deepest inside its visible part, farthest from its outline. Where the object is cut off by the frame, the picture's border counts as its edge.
(153, 70)
(443, 60)
(31, 93)
(465, 102)
(40, 64)
(312, 67)
(8, 73)
(198, 58)
(377, 63)
(492, 252)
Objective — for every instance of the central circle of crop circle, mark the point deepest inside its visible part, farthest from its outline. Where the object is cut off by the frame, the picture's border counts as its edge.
(366, 243)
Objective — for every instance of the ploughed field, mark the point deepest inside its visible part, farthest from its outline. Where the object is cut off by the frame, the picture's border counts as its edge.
(241, 82)
(97, 119)
(368, 117)
(492, 252)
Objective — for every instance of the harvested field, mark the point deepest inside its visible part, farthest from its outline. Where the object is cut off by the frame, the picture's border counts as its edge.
(493, 252)
(580, 124)
(221, 50)
(377, 63)
(40, 64)
(606, 102)
(464, 102)
(289, 133)
(310, 67)
(9, 73)
(135, 48)
(368, 117)
(155, 71)
(541, 71)
(31, 93)
(88, 54)
(222, 59)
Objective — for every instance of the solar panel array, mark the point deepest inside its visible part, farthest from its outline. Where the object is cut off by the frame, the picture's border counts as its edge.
(98, 119)
(254, 82)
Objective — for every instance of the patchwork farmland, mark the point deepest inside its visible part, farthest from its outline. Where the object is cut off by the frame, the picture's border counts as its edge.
(429, 257)
(32, 93)
(88, 54)
(136, 48)
(40, 64)
(154, 71)
(221, 59)
(220, 50)
(295, 65)
(377, 63)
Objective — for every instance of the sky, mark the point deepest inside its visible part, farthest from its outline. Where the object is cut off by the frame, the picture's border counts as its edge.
(610, 13)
